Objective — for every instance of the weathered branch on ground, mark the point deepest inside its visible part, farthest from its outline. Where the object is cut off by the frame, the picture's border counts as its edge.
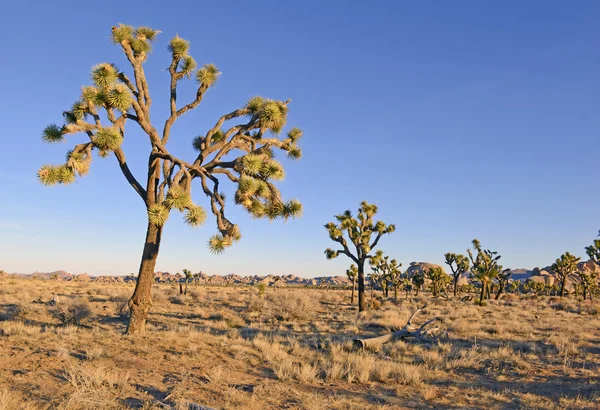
(421, 333)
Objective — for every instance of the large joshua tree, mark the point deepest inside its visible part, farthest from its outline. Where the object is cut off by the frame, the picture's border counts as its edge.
(485, 267)
(359, 231)
(564, 268)
(459, 264)
(239, 148)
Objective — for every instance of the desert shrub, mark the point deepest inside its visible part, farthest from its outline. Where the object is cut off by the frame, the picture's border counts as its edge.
(177, 300)
(287, 307)
(73, 313)
(261, 290)
(122, 306)
(12, 312)
(375, 304)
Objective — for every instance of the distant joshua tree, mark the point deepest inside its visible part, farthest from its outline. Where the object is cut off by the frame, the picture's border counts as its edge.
(241, 152)
(352, 275)
(503, 278)
(359, 231)
(188, 279)
(276, 280)
(459, 264)
(593, 251)
(439, 279)
(418, 280)
(485, 267)
(564, 268)
(388, 272)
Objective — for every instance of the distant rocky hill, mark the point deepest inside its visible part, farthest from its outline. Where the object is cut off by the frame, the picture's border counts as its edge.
(544, 275)
(201, 278)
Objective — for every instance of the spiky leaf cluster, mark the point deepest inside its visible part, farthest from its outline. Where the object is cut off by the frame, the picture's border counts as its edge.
(158, 214)
(208, 75)
(195, 215)
(262, 166)
(138, 39)
(218, 243)
(108, 139)
(178, 198)
(178, 47)
(53, 133)
(79, 161)
(118, 97)
(51, 175)
(272, 115)
(105, 75)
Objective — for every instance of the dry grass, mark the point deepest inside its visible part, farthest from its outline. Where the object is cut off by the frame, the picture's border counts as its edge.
(289, 348)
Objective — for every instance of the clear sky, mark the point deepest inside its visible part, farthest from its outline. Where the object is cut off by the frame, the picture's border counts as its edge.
(459, 119)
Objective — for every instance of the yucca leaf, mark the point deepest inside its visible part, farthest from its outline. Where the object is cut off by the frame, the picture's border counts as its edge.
(187, 65)
(273, 169)
(195, 216)
(140, 46)
(108, 139)
(178, 47)
(146, 32)
(158, 214)
(218, 243)
(178, 198)
(79, 162)
(119, 97)
(208, 75)
(121, 33)
(234, 232)
(294, 134)
(294, 153)
(255, 104)
(64, 175)
(47, 175)
(52, 133)
(252, 164)
(217, 136)
(197, 143)
(104, 75)
(293, 209)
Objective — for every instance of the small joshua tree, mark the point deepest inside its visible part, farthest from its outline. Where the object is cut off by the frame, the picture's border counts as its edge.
(188, 279)
(352, 274)
(588, 283)
(240, 152)
(459, 264)
(564, 268)
(418, 280)
(593, 251)
(485, 267)
(359, 231)
(503, 278)
(439, 279)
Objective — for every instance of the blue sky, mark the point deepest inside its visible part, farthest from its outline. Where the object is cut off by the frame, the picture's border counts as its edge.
(459, 119)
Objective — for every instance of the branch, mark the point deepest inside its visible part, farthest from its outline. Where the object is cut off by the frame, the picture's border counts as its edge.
(129, 176)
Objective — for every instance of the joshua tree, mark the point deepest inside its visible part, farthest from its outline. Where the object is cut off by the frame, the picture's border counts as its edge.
(352, 274)
(564, 268)
(593, 251)
(276, 280)
(241, 152)
(388, 272)
(359, 231)
(514, 286)
(588, 282)
(418, 280)
(485, 267)
(439, 279)
(459, 264)
(503, 278)
(395, 276)
(188, 279)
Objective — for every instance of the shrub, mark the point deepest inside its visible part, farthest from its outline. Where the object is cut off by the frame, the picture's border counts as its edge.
(261, 290)
(122, 306)
(73, 313)
(286, 307)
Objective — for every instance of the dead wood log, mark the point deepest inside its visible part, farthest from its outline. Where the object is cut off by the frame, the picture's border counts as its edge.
(420, 333)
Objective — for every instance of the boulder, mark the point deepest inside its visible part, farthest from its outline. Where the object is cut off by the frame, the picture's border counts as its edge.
(82, 277)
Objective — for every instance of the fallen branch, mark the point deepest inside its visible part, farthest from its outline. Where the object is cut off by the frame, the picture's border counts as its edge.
(419, 333)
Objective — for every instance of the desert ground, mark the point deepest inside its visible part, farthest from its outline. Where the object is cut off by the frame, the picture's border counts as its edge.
(290, 348)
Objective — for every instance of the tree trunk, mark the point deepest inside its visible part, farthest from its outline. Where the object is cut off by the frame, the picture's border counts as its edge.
(387, 290)
(500, 289)
(141, 301)
(396, 292)
(455, 285)
(353, 289)
(483, 286)
(562, 287)
(362, 303)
